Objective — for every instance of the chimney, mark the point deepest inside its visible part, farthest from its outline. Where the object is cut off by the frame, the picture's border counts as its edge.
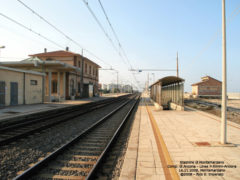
(45, 50)
(67, 48)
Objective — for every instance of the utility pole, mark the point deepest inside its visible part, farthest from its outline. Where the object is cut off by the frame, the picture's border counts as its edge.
(224, 79)
(117, 81)
(82, 73)
(177, 66)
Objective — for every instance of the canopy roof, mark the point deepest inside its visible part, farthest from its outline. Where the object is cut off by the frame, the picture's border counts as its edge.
(35, 62)
(61, 53)
(168, 80)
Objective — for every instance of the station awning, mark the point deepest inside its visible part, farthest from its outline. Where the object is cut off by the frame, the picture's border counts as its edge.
(168, 80)
(37, 63)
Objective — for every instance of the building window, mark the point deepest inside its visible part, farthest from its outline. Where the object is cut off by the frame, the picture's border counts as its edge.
(79, 63)
(54, 86)
(93, 71)
(33, 82)
(96, 72)
(90, 69)
(86, 68)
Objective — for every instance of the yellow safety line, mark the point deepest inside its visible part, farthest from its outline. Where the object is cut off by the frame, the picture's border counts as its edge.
(170, 173)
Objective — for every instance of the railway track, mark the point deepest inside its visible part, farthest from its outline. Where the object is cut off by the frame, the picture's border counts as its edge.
(80, 157)
(216, 105)
(12, 132)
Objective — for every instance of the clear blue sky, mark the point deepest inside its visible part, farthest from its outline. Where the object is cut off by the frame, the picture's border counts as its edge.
(151, 33)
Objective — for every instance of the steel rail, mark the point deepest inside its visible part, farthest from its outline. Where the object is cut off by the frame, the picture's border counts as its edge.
(93, 171)
(54, 113)
(37, 129)
(29, 172)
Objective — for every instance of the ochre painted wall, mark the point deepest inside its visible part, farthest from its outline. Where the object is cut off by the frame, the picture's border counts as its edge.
(33, 93)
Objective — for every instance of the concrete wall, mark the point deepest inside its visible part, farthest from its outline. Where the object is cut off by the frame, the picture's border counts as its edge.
(31, 93)
(208, 86)
(8, 77)
(89, 77)
(209, 90)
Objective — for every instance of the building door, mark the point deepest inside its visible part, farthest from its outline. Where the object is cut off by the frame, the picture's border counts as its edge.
(14, 93)
(72, 90)
(85, 90)
(2, 93)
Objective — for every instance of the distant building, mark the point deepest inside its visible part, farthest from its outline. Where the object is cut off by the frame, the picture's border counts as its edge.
(113, 88)
(68, 75)
(104, 87)
(127, 89)
(207, 87)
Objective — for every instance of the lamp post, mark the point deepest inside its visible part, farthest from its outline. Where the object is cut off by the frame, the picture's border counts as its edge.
(224, 79)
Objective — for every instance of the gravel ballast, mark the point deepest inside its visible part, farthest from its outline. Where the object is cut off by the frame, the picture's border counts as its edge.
(17, 156)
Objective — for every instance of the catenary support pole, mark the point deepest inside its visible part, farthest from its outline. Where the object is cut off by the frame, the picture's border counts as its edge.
(224, 79)
(177, 66)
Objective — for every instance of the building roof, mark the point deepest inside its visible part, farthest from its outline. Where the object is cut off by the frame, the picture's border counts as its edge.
(61, 53)
(169, 80)
(23, 71)
(206, 80)
(55, 54)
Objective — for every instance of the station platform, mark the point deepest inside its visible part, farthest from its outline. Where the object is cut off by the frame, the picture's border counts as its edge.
(20, 110)
(180, 145)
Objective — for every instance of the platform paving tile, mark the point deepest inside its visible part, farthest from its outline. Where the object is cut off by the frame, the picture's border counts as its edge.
(184, 128)
(180, 131)
(147, 163)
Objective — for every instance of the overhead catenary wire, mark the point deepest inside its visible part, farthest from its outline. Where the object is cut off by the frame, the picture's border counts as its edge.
(61, 32)
(114, 32)
(30, 29)
(102, 28)
(68, 37)
(117, 38)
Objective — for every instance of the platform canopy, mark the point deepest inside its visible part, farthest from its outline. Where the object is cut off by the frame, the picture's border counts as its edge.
(168, 90)
(168, 80)
(37, 64)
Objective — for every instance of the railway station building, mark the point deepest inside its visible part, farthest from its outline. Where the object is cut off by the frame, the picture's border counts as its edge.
(68, 75)
(20, 86)
(208, 87)
(168, 93)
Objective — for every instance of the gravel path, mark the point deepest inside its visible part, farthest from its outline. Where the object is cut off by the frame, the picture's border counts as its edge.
(17, 156)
